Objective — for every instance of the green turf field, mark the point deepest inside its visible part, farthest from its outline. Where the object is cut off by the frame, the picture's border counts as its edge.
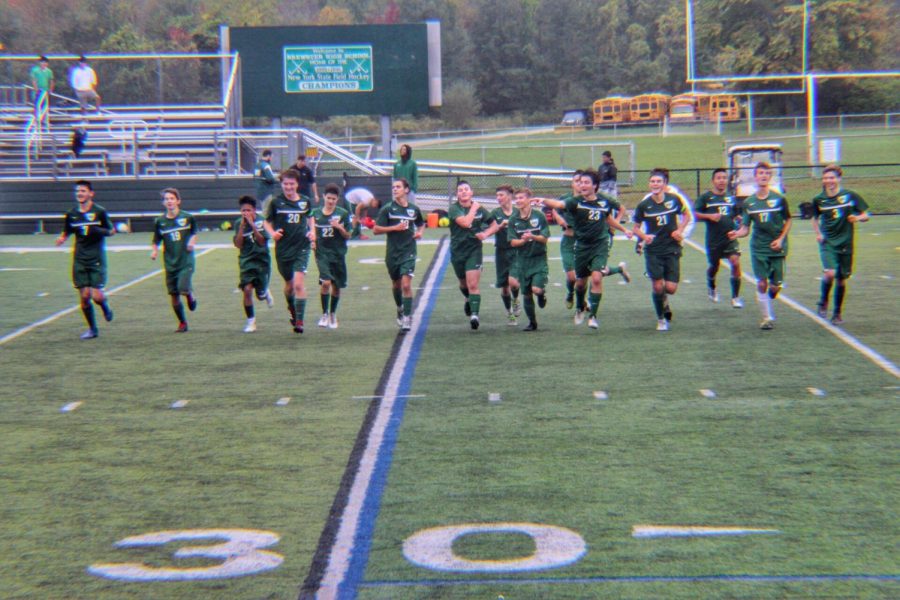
(818, 468)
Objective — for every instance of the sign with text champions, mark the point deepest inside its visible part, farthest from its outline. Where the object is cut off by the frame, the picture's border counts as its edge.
(322, 71)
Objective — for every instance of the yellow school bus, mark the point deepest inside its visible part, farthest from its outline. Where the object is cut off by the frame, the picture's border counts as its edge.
(648, 107)
(689, 107)
(724, 107)
(613, 109)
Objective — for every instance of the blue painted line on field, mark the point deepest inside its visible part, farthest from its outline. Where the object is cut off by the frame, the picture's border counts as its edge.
(363, 540)
(638, 579)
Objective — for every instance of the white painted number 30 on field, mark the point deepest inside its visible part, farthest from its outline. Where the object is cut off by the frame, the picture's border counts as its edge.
(241, 552)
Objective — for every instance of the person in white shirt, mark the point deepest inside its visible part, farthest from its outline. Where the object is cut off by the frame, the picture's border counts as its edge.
(360, 200)
(84, 81)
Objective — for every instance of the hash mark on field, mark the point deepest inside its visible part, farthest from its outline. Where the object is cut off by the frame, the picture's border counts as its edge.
(283, 401)
(708, 393)
(179, 404)
(600, 395)
(655, 531)
(71, 406)
(815, 391)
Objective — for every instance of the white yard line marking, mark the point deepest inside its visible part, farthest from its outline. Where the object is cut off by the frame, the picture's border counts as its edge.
(70, 407)
(395, 396)
(179, 404)
(839, 333)
(655, 531)
(58, 315)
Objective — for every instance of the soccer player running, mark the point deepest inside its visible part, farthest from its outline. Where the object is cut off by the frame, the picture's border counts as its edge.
(719, 211)
(835, 210)
(659, 222)
(332, 232)
(528, 234)
(504, 253)
(564, 219)
(593, 215)
(254, 261)
(767, 212)
(288, 222)
(176, 230)
(402, 221)
(469, 223)
(90, 224)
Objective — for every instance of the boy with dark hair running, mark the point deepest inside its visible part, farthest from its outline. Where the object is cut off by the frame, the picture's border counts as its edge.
(90, 224)
(177, 231)
(504, 253)
(254, 260)
(720, 212)
(528, 234)
(333, 229)
(469, 226)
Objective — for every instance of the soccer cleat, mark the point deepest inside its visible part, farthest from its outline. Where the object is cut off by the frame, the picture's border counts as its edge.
(323, 320)
(542, 300)
(822, 310)
(107, 312)
(579, 317)
(298, 326)
(767, 324)
(90, 334)
(662, 325)
(737, 303)
(474, 322)
(406, 323)
(270, 301)
(836, 319)
(667, 311)
(182, 327)
(516, 308)
(399, 317)
(467, 308)
(570, 301)
(511, 319)
(532, 326)
(332, 321)
(712, 294)
(192, 303)
(250, 327)
(593, 323)
(625, 274)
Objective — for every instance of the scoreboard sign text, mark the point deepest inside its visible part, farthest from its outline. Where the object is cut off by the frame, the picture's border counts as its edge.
(328, 69)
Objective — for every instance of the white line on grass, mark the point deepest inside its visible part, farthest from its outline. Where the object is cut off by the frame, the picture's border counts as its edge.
(70, 407)
(342, 549)
(396, 396)
(839, 333)
(655, 531)
(58, 315)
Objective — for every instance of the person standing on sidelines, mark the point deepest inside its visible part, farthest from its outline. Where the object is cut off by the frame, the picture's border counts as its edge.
(504, 253)
(360, 200)
(176, 230)
(254, 260)
(264, 179)
(332, 232)
(84, 81)
(42, 81)
(528, 234)
(90, 224)
(720, 212)
(608, 175)
(835, 210)
(406, 168)
(307, 185)
(288, 222)
(402, 221)
(469, 223)
(659, 221)
(767, 212)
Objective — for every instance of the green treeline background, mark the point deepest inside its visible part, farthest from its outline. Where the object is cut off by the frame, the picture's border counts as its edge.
(528, 58)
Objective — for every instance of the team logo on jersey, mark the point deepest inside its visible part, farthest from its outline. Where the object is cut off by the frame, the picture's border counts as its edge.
(534, 222)
(181, 221)
(89, 216)
(772, 203)
(410, 212)
(302, 206)
(669, 203)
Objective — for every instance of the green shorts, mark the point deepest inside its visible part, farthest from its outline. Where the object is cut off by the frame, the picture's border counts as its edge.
(256, 273)
(503, 263)
(332, 268)
(588, 260)
(470, 261)
(768, 268)
(567, 252)
(397, 268)
(534, 276)
(664, 266)
(835, 260)
(89, 275)
(178, 281)
(296, 263)
(717, 253)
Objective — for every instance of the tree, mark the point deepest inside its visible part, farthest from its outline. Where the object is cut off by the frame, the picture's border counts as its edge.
(461, 105)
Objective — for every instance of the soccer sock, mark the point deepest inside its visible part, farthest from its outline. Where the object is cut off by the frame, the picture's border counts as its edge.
(507, 301)
(326, 301)
(88, 310)
(826, 289)
(515, 293)
(594, 300)
(407, 307)
(765, 304)
(475, 302)
(529, 308)
(735, 287)
(290, 305)
(711, 277)
(248, 310)
(773, 292)
(541, 298)
(334, 303)
(839, 292)
(357, 230)
(617, 270)
(179, 312)
(579, 299)
(300, 308)
(570, 288)
(398, 297)
(659, 302)
(464, 292)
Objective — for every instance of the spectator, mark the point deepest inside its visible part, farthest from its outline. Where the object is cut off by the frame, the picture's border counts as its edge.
(406, 168)
(42, 82)
(307, 186)
(84, 82)
(608, 173)
(264, 179)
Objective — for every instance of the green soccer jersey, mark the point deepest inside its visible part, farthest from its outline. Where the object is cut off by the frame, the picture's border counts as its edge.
(90, 229)
(712, 203)
(463, 240)
(589, 219)
(832, 213)
(251, 251)
(767, 216)
(328, 239)
(660, 219)
(291, 217)
(565, 213)
(400, 244)
(536, 223)
(174, 234)
(501, 240)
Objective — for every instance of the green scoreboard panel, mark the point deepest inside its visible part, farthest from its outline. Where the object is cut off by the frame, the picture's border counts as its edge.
(332, 70)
